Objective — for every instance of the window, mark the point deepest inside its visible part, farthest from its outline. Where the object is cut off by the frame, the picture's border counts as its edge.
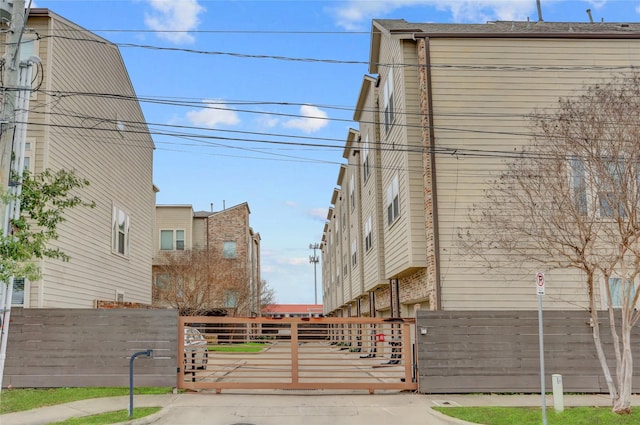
(608, 197)
(388, 101)
(619, 291)
(120, 231)
(599, 188)
(229, 249)
(368, 240)
(345, 266)
(393, 201)
(344, 220)
(579, 185)
(172, 240)
(352, 192)
(230, 299)
(354, 253)
(18, 292)
(365, 159)
(28, 154)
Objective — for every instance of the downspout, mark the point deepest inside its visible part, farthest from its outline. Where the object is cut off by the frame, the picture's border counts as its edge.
(434, 193)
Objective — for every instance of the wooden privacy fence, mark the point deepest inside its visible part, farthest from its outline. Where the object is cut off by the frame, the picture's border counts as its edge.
(54, 347)
(498, 351)
(294, 353)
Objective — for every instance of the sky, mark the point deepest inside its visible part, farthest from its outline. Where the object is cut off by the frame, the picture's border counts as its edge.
(252, 100)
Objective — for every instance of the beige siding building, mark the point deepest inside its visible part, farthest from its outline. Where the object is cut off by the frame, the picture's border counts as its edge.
(104, 139)
(443, 109)
(178, 229)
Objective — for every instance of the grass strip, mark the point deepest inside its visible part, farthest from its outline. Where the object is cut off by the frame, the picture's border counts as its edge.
(533, 416)
(16, 400)
(249, 347)
(109, 417)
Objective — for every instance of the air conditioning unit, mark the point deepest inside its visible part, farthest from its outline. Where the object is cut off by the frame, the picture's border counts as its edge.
(119, 296)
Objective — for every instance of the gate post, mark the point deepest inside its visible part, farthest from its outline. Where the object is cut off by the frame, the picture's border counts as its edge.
(294, 353)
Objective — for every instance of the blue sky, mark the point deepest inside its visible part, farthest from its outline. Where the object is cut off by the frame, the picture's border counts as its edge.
(268, 111)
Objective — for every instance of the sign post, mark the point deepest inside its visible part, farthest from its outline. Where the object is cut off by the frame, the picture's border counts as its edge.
(540, 292)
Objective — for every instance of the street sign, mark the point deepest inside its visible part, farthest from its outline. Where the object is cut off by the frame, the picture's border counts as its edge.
(540, 283)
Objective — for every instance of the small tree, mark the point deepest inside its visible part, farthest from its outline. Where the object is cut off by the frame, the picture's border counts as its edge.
(572, 201)
(203, 282)
(44, 198)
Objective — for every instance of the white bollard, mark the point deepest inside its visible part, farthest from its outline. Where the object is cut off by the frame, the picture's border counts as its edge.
(558, 393)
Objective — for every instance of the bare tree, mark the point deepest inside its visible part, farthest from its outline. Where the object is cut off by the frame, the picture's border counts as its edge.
(571, 201)
(202, 282)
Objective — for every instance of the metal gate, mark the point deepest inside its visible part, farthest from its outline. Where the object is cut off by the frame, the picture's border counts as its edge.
(296, 353)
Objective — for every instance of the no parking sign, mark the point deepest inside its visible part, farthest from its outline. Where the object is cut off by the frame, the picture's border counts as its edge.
(540, 283)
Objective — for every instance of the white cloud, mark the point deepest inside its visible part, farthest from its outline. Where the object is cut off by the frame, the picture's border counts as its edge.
(356, 14)
(291, 204)
(174, 15)
(213, 114)
(267, 121)
(313, 119)
(318, 213)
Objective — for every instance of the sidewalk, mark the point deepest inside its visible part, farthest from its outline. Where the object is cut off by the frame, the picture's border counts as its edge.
(293, 408)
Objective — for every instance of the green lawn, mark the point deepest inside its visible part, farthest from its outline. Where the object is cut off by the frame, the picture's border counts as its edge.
(533, 416)
(248, 347)
(109, 417)
(26, 399)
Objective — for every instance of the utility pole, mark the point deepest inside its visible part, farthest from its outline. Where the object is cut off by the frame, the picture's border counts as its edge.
(9, 94)
(314, 260)
(13, 98)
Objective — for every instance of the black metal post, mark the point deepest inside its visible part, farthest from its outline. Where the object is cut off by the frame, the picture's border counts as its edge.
(147, 353)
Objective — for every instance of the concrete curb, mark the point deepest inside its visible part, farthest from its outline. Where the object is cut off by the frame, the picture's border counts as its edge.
(149, 419)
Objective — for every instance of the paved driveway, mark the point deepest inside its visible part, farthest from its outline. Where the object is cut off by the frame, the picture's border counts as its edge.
(314, 408)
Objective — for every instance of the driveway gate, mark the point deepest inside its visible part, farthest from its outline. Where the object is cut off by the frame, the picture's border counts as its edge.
(297, 353)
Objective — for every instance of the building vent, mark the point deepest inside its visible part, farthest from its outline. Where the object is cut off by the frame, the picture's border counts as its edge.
(119, 296)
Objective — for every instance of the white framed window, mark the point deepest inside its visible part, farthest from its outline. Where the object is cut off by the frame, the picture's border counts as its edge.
(352, 192)
(229, 249)
(368, 238)
(120, 224)
(366, 167)
(17, 298)
(354, 253)
(388, 100)
(393, 201)
(595, 192)
(620, 290)
(29, 153)
(344, 221)
(172, 240)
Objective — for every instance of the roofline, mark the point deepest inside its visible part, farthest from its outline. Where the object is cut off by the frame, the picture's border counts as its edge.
(341, 173)
(378, 30)
(352, 137)
(367, 81)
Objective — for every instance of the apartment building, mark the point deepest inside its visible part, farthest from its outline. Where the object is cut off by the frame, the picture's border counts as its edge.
(179, 229)
(440, 101)
(84, 116)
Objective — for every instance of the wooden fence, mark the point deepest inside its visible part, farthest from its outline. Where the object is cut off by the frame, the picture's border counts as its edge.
(498, 351)
(86, 347)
